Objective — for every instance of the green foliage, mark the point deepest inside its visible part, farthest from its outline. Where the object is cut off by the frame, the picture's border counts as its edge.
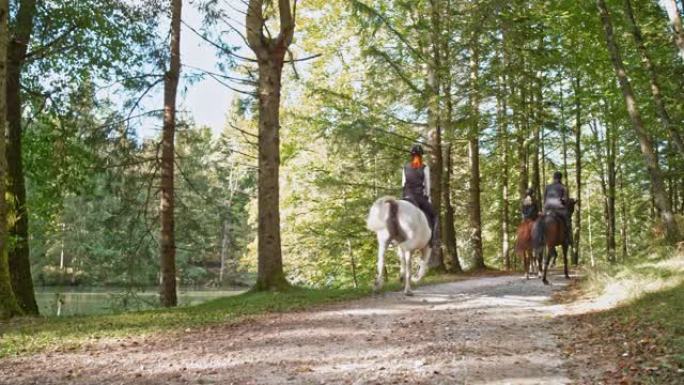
(348, 118)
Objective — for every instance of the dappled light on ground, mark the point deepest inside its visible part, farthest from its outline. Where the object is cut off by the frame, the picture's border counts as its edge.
(492, 330)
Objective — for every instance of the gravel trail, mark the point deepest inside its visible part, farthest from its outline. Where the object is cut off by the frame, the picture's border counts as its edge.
(489, 330)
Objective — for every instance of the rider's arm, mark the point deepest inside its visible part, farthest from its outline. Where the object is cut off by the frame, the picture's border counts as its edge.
(427, 183)
(564, 195)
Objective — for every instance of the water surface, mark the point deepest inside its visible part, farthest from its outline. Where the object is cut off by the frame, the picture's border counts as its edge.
(98, 300)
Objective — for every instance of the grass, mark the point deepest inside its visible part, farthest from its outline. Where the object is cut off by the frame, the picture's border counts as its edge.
(25, 335)
(644, 331)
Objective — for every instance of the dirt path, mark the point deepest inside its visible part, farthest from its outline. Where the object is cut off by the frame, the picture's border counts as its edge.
(494, 330)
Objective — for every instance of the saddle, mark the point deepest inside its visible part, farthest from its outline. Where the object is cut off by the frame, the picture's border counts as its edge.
(556, 214)
(417, 205)
(410, 200)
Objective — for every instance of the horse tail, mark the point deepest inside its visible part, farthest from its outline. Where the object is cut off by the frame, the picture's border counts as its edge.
(393, 222)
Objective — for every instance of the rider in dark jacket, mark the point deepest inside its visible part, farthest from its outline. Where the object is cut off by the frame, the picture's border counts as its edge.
(416, 186)
(556, 199)
(530, 209)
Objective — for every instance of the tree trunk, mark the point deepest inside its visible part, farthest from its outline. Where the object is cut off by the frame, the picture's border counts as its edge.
(623, 214)
(602, 159)
(591, 240)
(536, 179)
(502, 124)
(270, 53)
(647, 150)
(435, 131)
(661, 109)
(449, 224)
(8, 303)
(578, 172)
(611, 148)
(19, 263)
(523, 180)
(672, 176)
(564, 136)
(353, 263)
(167, 242)
(474, 209)
(270, 275)
(225, 243)
(454, 265)
(676, 21)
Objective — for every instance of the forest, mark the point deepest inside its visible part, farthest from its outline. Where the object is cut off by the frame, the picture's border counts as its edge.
(114, 181)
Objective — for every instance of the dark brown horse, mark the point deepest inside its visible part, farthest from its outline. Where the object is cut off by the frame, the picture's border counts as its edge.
(547, 233)
(523, 245)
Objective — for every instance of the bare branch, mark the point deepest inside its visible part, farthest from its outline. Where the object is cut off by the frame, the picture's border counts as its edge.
(218, 46)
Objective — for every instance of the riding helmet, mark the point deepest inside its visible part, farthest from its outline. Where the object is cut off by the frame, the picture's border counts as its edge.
(416, 149)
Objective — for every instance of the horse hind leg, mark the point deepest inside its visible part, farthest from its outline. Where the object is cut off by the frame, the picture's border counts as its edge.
(539, 260)
(383, 243)
(526, 263)
(565, 261)
(425, 253)
(547, 259)
(402, 265)
(407, 273)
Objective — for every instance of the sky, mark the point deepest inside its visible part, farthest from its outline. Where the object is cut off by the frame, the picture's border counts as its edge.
(207, 101)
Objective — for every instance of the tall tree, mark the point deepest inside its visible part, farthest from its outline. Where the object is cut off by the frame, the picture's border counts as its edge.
(502, 127)
(8, 303)
(576, 86)
(166, 210)
(647, 149)
(20, 265)
(646, 60)
(611, 149)
(434, 88)
(449, 216)
(449, 225)
(270, 52)
(474, 207)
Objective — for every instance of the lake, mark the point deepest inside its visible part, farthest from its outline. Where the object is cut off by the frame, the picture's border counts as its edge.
(98, 300)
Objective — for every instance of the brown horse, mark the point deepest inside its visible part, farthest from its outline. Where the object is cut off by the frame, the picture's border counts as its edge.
(547, 233)
(523, 245)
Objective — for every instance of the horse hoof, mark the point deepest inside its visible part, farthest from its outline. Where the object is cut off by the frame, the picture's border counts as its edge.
(545, 282)
(567, 277)
(408, 293)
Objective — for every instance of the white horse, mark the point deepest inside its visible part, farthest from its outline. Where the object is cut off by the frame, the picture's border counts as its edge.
(405, 224)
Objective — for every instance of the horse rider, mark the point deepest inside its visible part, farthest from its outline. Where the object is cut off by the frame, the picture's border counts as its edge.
(556, 200)
(415, 180)
(530, 208)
